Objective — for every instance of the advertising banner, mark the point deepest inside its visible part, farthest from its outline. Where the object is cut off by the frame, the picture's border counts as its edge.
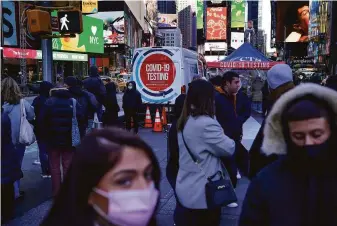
(216, 21)
(89, 6)
(114, 27)
(237, 39)
(215, 46)
(200, 14)
(167, 20)
(9, 26)
(238, 13)
(90, 40)
(37, 55)
(292, 21)
(243, 65)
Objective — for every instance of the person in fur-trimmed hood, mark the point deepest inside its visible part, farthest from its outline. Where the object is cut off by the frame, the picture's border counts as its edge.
(300, 188)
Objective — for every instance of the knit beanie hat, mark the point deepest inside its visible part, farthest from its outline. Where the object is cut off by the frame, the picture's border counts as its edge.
(279, 75)
(71, 81)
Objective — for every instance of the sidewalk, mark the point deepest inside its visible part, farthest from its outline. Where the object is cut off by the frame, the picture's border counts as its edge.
(38, 191)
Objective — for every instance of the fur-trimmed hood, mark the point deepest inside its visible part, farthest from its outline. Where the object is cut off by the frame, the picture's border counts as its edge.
(274, 142)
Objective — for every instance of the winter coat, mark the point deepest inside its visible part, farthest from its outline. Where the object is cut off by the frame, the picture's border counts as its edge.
(10, 162)
(14, 113)
(132, 100)
(87, 106)
(56, 116)
(257, 90)
(38, 103)
(206, 140)
(230, 120)
(94, 105)
(110, 115)
(292, 191)
(95, 85)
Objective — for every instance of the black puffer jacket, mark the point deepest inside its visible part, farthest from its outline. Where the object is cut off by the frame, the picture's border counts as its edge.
(132, 100)
(95, 85)
(56, 116)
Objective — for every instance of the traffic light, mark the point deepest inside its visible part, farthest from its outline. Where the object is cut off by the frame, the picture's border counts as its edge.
(70, 21)
(38, 22)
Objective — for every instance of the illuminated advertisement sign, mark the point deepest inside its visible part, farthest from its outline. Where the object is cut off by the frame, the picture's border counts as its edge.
(238, 13)
(216, 23)
(292, 21)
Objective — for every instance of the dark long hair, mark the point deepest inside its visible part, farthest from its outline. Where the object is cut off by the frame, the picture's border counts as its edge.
(199, 101)
(93, 159)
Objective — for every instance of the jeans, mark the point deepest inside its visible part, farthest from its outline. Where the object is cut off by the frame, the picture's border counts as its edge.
(20, 152)
(43, 155)
(55, 154)
(128, 115)
(7, 202)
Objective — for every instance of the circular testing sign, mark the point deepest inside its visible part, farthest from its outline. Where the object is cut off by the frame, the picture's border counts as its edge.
(157, 72)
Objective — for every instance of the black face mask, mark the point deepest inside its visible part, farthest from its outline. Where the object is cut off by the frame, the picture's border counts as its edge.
(313, 152)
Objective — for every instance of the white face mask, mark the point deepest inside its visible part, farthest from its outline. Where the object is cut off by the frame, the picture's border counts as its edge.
(130, 87)
(129, 208)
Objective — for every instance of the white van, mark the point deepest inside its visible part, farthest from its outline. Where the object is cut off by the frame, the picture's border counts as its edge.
(161, 72)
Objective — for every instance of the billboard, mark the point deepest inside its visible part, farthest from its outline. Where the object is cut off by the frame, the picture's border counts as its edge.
(89, 6)
(90, 40)
(10, 36)
(200, 14)
(292, 21)
(237, 39)
(216, 21)
(238, 13)
(114, 26)
(167, 20)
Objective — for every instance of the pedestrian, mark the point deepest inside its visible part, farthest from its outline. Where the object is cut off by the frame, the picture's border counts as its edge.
(56, 117)
(257, 94)
(280, 80)
(233, 108)
(300, 188)
(12, 97)
(132, 102)
(38, 104)
(95, 85)
(88, 105)
(172, 141)
(199, 132)
(265, 99)
(110, 116)
(10, 169)
(114, 180)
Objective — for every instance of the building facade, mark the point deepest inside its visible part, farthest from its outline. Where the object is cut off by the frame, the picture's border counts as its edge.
(172, 36)
(166, 7)
(185, 14)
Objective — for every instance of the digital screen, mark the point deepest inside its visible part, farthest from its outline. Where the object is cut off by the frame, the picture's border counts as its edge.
(292, 21)
(216, 23)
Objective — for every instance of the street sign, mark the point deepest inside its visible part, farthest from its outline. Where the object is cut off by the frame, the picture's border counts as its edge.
(70, 21)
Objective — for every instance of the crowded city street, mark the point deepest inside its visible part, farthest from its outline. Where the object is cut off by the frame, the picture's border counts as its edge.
(168, 113)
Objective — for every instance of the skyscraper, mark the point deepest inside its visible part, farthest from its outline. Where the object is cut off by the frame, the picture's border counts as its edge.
(166, 7)
(185, 11)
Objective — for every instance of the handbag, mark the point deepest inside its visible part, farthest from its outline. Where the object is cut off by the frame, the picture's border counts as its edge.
(218, 192)
(26, 135)
(75, 131)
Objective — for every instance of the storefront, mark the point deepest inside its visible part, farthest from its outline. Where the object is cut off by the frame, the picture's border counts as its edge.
(64, 63)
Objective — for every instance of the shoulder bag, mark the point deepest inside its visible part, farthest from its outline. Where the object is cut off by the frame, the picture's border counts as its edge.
(218, 192)
(75, 131)
(26, 136)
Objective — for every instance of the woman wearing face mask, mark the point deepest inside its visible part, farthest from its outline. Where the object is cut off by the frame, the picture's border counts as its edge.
(132, 102)
(300, 188)
(113, 180)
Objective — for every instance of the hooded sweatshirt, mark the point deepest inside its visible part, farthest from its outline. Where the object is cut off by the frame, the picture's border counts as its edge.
(290, 191)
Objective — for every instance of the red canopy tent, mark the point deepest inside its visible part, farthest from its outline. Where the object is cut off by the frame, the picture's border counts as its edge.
(245, 57)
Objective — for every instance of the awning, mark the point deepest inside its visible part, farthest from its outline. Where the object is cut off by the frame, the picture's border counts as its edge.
(247, 65)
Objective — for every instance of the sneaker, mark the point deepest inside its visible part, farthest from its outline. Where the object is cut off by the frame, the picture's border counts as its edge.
(44, 176)
(232, 205)
(238, 175)
(49, 176)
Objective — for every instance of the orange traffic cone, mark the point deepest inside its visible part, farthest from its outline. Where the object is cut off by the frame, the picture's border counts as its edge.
(158, 127)
(163, 117)
(148, 120)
